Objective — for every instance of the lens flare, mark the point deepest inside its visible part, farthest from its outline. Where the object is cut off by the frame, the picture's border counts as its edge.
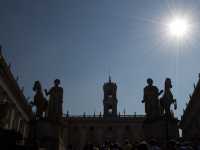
(178, 27)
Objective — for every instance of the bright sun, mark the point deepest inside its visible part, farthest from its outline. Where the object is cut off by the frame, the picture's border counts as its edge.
(178, 27)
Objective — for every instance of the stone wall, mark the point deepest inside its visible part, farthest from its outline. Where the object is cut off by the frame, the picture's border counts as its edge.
(81, 130)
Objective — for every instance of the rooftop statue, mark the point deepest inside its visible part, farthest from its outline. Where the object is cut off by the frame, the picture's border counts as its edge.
(151, 99)
(39, 100)
(167, 98)
(55, 101)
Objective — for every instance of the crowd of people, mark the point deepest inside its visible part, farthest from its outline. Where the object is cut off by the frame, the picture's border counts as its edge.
(144, 145)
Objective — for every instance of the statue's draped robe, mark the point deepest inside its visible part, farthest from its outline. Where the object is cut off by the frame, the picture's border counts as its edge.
(55, 102)
(150, 98)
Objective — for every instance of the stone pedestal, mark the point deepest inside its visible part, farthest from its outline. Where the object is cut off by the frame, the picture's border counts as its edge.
(48, 134)
(162, 128)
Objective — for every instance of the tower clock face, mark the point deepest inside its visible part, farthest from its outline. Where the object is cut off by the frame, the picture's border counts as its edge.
(110, 96)
(110, 110)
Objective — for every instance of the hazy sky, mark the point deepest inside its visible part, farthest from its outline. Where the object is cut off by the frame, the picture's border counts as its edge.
(81, 42)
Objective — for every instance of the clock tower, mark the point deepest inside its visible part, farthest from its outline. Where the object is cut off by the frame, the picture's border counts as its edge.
(110, 99)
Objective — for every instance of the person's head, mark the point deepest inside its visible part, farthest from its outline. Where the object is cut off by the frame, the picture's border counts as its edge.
(149, 81)
(69, 146)
(153, 142)
(168, 83)
(171, 144)
(143, 146)
(56, 82)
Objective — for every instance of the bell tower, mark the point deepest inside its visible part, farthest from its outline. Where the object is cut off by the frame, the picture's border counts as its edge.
(110, 99)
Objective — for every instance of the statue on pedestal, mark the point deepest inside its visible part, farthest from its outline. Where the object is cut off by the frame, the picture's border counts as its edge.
(39, 100)
(167, 99)
(151, 100)
(55, 101)
(160, 123)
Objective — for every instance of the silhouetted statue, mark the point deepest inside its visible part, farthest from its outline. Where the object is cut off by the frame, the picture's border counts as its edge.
(151, 100)
(55, 101)
(167, 98)
(39, 100)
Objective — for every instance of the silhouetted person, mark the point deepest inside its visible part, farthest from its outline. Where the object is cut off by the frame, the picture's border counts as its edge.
(171, 145)
(143, 146)
(127, 145)
(154, 145)
(69, 147)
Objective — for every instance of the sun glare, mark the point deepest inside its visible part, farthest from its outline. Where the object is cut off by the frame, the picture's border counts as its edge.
(178, 27)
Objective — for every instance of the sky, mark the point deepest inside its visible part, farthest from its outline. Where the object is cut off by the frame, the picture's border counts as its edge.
(83, 42)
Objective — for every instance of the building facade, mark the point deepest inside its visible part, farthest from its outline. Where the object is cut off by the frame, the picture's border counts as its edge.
(81, 130)
(16, 113)
(190, 121)
(96, 129)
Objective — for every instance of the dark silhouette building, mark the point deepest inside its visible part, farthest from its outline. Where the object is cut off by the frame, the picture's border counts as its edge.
(15, 111)
(190, 120)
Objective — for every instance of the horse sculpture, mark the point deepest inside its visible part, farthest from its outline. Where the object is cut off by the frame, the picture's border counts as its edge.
(167, 99)
(39, 100)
